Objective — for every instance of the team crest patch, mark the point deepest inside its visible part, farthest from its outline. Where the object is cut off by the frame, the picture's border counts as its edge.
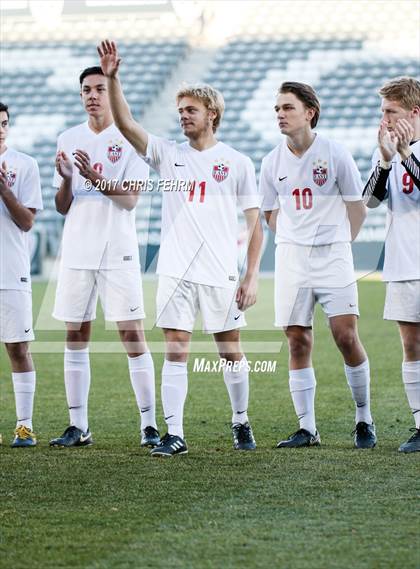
(320, 172)
(114, 151)
(11, 178)
(220, 171)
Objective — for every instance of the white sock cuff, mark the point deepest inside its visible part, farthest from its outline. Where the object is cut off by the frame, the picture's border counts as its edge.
(76, 356)
(356, 376)
(140, 362)
(302, 379)
(24, 382)
(235, 373)
(174, 368)
(411, 372)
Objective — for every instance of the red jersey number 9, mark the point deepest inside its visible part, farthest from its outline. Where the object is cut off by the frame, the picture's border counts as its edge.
(407, 182)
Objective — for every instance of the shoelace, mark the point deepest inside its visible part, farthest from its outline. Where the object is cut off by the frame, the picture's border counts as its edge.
(361, 428)
(23, 432)
(416, 433)
(244, 433)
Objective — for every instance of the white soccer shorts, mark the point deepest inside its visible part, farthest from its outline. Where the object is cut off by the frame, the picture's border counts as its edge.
(178, 303)
(402, 301)
(16, 316)
(120, 292)
(307, 275)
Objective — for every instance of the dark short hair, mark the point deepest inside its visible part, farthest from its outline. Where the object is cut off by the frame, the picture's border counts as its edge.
(90, 71)
(4, 109)
(306, 95)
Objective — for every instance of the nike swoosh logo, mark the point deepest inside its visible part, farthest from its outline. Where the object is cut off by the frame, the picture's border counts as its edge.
(352, 305)
(281, 179)
(240, 412)
(236, 317)
(134, 309)
(84, 438)
(179, 165)
(26, 331)
(170, 417)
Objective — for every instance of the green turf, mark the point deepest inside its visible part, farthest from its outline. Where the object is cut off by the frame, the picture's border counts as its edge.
(112, 506)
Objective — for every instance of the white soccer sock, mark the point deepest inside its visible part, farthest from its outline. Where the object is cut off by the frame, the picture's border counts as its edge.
(302, 385)
(411, 379)
(174, 393)
(237, 384)
(77, 383)
(24, 389)
(142, 376)
(358, 379)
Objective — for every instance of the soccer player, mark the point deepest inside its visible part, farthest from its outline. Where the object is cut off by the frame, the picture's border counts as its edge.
(20, 198)
(198, 253)
(395, 177)
(98, 194)
(312, 199)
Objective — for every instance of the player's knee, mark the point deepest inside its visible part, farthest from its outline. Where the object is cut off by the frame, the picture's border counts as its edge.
(300, 344)
(346, 340)
(18, 353)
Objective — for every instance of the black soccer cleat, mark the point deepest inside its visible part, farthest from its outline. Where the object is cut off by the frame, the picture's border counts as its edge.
(243, 438)
(170, 445)
(149, 437)
(413, 443)
(73, 437)
(302, 438)
(364, 435)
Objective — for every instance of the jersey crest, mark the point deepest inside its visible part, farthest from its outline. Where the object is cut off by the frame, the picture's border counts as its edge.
(11, 178)
(320, 172)
(220, 171)
(114, 151)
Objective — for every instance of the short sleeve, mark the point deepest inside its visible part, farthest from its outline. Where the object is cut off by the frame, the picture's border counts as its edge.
(349, 180)
(268, 192)
(158, 151)
(136, 168)
(247, 191)
(30, 191)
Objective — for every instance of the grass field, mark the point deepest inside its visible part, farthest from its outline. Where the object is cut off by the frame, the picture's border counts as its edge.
(112, 506)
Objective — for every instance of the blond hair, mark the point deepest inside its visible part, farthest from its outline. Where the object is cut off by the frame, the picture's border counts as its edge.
(211, 98)
(404, 90)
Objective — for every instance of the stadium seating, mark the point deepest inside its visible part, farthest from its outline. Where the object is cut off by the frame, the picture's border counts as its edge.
(338, 47)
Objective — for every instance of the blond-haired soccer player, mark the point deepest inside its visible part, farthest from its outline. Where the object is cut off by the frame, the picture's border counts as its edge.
(97, 171)
(20, 198)
(198, 253)
(395, 177)
(312, 198)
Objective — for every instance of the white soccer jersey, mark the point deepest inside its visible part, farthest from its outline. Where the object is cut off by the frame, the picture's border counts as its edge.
(199, 217)
(23, 180)
(310, 192)
(402, 242)
(98, 233)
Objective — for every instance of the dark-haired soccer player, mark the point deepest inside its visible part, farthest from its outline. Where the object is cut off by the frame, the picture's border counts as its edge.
(95, 168)
(312, 198)
(395, 177)
(20, 198)
(198, 254)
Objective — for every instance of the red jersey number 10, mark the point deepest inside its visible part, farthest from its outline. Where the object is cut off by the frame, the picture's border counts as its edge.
(303, 198)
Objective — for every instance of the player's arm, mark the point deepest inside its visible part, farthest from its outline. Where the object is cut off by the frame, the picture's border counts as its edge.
(376, 191)
(64, 195)
(125, 193)
(133, 132)
(405, 134)
(246, 295)
(23, 216)
(271, 219)
(356, 212)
